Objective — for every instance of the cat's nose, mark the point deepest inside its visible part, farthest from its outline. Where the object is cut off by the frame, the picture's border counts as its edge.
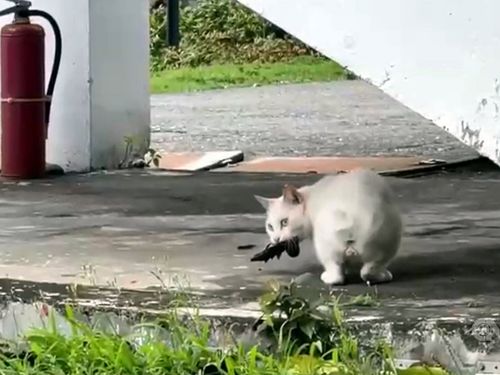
(276, 240)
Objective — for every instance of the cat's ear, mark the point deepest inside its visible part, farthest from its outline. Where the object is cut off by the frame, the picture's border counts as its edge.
(292, 195)
(264, 202)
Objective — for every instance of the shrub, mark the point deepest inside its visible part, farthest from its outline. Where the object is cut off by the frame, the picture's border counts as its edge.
(218, 31)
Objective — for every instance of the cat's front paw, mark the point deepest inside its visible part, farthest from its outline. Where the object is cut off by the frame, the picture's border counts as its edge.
(332, 278)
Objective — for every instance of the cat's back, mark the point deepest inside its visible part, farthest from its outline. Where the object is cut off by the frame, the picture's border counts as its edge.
(360, 201)
(362, 186)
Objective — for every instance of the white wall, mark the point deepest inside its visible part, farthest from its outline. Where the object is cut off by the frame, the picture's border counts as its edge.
(119, 67)
(102, 92)
(440, 58)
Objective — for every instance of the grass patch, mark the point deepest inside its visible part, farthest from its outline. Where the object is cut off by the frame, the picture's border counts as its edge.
(224, 44)
(297, 70)
(301, 339)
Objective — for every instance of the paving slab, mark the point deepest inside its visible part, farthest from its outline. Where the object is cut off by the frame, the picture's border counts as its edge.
(141, 230)
(322, 165)
(199, 161)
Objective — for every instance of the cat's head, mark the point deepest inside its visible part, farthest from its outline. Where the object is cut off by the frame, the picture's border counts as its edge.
(286, 216)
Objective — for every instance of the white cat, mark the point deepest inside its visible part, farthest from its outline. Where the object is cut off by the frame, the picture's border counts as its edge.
(342, 214)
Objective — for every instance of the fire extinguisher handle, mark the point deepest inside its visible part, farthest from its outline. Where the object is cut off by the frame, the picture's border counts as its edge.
(21, 3)
(12, 10)
(20, 6)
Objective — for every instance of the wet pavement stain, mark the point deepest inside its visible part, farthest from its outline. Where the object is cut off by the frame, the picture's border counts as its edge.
(84, 295)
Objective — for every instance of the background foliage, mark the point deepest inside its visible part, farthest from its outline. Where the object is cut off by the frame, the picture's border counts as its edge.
(220, 31)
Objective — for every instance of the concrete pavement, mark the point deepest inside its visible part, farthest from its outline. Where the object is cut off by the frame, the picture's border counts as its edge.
(349, 118)
(140, 230)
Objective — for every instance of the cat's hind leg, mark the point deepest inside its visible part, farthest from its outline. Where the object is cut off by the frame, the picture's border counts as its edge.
(376, 258)
(375, 273)
(379, 249)
(330, 253)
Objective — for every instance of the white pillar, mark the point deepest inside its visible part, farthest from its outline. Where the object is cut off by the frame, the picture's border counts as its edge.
(102, 92)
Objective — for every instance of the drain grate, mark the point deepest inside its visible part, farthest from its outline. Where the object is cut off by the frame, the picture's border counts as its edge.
(482, 368)
(488, 368)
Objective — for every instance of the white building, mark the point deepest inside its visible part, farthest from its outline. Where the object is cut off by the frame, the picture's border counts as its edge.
(439, 58)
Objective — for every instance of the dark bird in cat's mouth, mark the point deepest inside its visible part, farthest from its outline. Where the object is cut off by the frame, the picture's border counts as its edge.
(291, 247)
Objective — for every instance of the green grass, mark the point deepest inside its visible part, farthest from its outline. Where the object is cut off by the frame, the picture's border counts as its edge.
(299, 69)
(304, 341)
(188, 352)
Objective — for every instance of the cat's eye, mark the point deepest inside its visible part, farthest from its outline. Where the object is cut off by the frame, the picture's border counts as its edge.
(284, 223)
(270, 227)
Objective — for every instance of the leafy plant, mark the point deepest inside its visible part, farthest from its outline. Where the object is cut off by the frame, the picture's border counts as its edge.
(295, 317)
(302, 320)
(152, 156)
(132, 157)
(220, 31)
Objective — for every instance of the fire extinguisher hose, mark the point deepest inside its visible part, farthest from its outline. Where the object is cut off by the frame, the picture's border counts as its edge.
(57, 56)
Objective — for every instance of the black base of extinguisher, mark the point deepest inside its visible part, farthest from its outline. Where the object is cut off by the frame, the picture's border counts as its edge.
(53, 170)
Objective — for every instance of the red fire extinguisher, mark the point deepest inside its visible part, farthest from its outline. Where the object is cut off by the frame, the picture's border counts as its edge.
(25, 104)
